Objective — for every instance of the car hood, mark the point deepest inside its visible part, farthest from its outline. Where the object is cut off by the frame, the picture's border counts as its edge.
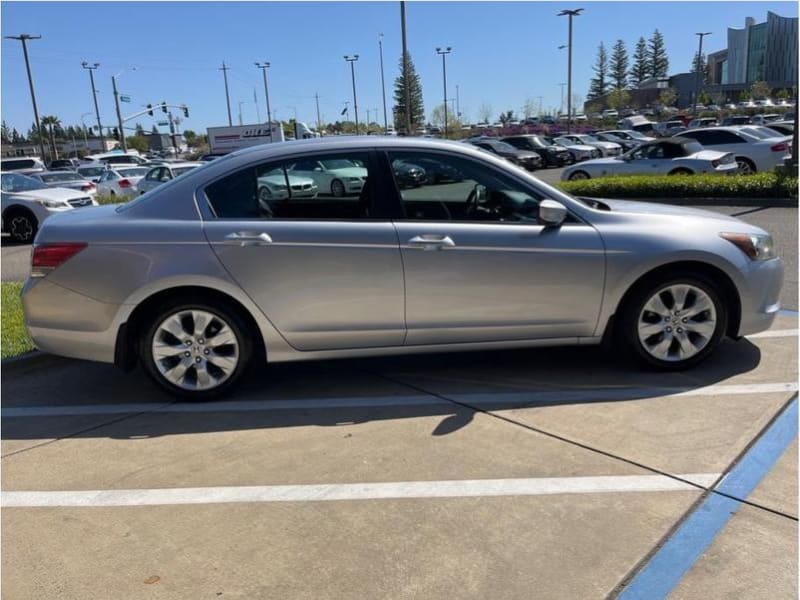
(279, 180)
(54, 194)
(526, 154)
(349, 172)
(581, 147)
(656, 210)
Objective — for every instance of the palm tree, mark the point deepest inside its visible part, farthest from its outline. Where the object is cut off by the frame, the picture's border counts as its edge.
(50, 121)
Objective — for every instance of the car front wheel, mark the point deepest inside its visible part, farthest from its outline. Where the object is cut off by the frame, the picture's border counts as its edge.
(578, 175)
(195, 350)
(675, 324)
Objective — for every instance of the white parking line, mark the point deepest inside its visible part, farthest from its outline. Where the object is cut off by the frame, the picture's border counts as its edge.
(358, 491)
(773, 333)
(501, 399)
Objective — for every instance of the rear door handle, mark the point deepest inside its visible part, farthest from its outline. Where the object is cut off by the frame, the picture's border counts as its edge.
(432, 242)
(248, 238)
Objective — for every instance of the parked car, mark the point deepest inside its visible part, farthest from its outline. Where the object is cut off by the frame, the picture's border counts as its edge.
(526, 159)
(26, 165)
(195, 283)
(753, 153)
(27, 203)
(764, 119)
(166, 172)
(274, 185)
(408, 175)
(735, 120)
(335, 177)
(437, 171)
(117, 158)
(64, 163)
(120, 181)
(579, 151)
(630, 135)
(553, 155)
(606, 148)
(624, 144)
(669, 128)
(548, 120)
(703, 122)
(65, 179)
(670, 156)
(610, 113)
(92, 171)
(782, 127)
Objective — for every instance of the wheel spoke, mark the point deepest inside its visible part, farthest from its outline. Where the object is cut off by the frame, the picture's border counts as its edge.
(679, 293)
(174, 325)
(204, 379)
(701, 304)
(162, 350)
(686, 348)
(661, 350)
(656, 305)
(648, 329)
(177, 374)
(226, 363)
(223, 337)
(704, 328)
(201, 321)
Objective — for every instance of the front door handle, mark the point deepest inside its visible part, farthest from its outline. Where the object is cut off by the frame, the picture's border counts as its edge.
(248, 238)
(432, 242)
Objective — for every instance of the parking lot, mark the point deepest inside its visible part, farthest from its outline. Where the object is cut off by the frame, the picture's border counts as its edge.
(550, 473)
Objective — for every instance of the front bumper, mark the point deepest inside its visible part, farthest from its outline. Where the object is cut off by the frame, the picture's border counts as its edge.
(760, 297)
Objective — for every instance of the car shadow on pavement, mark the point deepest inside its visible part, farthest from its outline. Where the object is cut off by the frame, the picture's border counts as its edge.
(453, 386)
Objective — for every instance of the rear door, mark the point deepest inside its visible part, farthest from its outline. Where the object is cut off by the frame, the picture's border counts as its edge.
(325, 270)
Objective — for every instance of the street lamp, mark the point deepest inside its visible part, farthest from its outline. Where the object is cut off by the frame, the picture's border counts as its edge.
(83, 124)
(444, 52)
(561, 106)
(264, 66)
(569, 14)
(352, 58)
(91, 69)
(24, 37)
(116, 103)
(699, 68)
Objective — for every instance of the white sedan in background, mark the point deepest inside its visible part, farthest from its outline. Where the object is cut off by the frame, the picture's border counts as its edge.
(121, 181)
(579, 151)
(164, 173)
(272, 186)
(337, 177)
(672, 156)
(756, 149)
(606, 148)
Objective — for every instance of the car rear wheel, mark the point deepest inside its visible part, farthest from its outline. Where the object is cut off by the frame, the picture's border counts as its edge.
(21, 225)
(337, 188)
(578, 175)
(745, 165)
(680, 171)
(195, 350)
(674, 324)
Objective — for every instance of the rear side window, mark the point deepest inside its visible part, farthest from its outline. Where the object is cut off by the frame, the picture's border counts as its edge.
(26, 163)
(319, 187)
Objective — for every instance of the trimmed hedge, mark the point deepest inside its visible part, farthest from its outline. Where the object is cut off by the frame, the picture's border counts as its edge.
(15, 338)
(760, 185)
(109, 199)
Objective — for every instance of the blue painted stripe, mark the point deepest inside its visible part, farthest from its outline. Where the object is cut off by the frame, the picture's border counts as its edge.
(668, 566)
(788, 313)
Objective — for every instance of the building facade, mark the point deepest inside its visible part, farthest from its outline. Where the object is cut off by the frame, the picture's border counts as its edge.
(759, 52)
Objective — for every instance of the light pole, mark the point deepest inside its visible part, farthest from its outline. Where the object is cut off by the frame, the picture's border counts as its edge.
(224, 68)
(444, 52)
(352, 58)
(383, 87)
(561, 106)
(240, 110)
(569, 14)
(319, 125)
(24, 37)
(91, 69)
(699, 67)
(264, 66)
(116, 104)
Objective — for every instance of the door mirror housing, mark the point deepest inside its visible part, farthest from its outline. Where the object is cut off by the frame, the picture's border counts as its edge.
(552, 213)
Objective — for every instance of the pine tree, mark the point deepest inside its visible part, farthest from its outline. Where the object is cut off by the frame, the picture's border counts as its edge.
(699, 63)
(599, 84)
(657, 56)
(618, 69)
(5, 133)
(639, 71)
(416, 110)
(139, 129)
(16, 137)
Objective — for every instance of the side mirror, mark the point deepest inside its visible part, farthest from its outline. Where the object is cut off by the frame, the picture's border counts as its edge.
(481, 194)
(552, 213)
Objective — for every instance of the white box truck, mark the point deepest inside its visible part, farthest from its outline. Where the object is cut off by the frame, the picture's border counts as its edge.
(222, 140)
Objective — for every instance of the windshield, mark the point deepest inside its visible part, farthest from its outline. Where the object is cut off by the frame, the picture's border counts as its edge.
(692, 147)
(338, 163)
(587, 138)
(134, 172)
(14, 182)
(91, 171)
(59, 177)
(505, 147)
(181, 170)
(637, 135)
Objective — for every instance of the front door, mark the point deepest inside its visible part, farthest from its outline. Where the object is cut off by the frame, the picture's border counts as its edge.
(322, 270)
(479, 266)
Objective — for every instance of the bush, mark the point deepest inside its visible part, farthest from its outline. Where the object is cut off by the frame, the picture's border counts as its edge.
(109, 199)
(15, 338)
(760, 185)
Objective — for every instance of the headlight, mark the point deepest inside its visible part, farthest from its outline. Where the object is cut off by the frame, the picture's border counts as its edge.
(353, 179)
(52, 203)
(755, 246)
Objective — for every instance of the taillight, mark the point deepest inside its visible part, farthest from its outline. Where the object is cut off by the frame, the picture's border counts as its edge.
(782, 147)
(87, 187)
(47, 257)
(715, 163)
(124, 183)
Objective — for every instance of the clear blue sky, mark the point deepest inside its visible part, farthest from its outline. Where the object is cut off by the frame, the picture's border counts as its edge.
(503, 53)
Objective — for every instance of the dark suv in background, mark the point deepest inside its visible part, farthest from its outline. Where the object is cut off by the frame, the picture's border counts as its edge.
(553, 156)
(526, 159)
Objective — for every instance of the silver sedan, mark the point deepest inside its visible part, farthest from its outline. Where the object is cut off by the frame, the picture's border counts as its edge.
(197, 279)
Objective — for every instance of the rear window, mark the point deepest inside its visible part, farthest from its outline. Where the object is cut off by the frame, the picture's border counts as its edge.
(91, 171)
(20, 163)
(58, 177)
(134, 172)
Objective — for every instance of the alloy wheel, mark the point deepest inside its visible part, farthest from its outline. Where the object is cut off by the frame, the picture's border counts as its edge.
(744, 167)
(677, 322)
(21, 228)
(195, 350)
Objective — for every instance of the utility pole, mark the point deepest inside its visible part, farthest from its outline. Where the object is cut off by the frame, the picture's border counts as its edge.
(319, 123)
(383, 86)
(569, 14)
(352, 58)
(119, 115)
(444, 52)
(24, 37)
(699, 67)
(561, 106)
(225, 70)
(91, 69)
(172, 133)
(406, 92)
(240, 110)
(264, 66)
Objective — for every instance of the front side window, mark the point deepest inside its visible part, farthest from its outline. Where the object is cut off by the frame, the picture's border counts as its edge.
(455, 188)
(317, 187)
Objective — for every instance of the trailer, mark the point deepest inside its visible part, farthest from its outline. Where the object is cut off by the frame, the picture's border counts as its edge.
(222, 140)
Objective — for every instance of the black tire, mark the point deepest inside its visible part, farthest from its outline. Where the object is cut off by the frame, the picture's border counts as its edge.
(579, 176)
(231, 318)
(628, 319)
(746, 166)
(21, 224)
(337, 188)
(680, 171)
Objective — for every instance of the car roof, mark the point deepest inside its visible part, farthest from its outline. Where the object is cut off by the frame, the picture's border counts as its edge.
(55, 172)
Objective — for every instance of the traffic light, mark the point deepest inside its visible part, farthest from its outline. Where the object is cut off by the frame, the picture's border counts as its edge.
(164, 107)
(115, 133)
(185, 111)
(150, 109)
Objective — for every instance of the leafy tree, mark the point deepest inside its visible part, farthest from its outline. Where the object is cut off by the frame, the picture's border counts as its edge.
(619, 98)
(190, 137)
(139, 129)
(657, 55)
(668, 97)
(506, 117)
(700, 64)
(416, 110)
(599, 84)
(759, 90)
(137, 142)
(618, 68)
(783, 94)
(484, 113)
(437, 119)
(703, 98)
(528, 109)
(641, 68)
(50, 121)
